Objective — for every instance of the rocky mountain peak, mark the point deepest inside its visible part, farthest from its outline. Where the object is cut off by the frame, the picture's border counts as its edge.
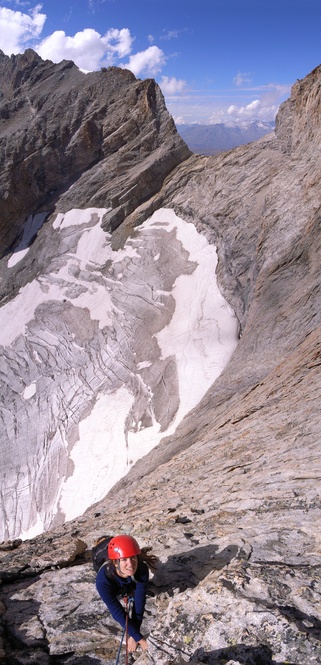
(298, 120)
(58, 123)
(159, 308)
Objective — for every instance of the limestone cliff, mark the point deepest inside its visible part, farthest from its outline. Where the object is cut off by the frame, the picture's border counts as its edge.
(231, 501)
(60, 126)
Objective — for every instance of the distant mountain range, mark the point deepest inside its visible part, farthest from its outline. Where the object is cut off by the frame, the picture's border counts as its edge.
(211, 139)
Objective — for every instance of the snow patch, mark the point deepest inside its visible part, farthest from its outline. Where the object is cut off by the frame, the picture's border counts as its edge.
(30, 391)
(201, 337)
(100, 454)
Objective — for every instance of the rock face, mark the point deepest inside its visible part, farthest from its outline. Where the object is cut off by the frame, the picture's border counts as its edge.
(231, 501)
(58, 124)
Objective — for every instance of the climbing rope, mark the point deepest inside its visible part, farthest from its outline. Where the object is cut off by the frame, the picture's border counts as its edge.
(155, 641)
(128, 609)
(120, 646)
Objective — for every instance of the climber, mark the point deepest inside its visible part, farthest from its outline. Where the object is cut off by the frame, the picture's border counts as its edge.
(126, 574)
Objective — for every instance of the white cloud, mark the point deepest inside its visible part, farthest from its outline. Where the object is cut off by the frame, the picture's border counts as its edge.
(118, 41)
(171, 85)
(17, 29)
(179, 120)
(167, 35)
(149, 62)
(170, 34)
(88, 49)
(255, 110)
(216, 116)
(264, 107)
(242, 78)
(248, 112)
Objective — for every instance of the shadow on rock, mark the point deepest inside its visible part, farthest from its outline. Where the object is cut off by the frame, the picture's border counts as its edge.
(74, 660)
(304, 622)
(241, 654)
(16, 615)
(187, 569)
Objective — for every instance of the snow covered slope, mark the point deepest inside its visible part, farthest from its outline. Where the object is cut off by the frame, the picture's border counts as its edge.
(103, 353)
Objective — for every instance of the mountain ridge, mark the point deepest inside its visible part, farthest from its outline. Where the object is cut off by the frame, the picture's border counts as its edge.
(75, 142)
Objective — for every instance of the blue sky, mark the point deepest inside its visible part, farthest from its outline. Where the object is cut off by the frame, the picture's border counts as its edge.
(215, 60)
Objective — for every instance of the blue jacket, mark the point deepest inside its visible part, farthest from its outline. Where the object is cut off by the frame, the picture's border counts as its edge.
(111, 586)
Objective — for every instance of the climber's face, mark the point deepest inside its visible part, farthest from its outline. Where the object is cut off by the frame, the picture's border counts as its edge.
(127, 567)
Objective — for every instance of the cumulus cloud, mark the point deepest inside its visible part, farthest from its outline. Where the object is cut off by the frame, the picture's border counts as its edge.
(262, 108)
(171, 85)
(118, 41)
(149, 62)
(179, 120)
(17, 29)
(88, 49)
(248, 112)
(243, 114)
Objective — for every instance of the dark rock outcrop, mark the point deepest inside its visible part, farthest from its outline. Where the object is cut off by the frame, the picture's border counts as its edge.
(59, 126)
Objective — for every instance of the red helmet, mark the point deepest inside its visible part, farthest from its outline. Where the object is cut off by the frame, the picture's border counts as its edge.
(123, 547)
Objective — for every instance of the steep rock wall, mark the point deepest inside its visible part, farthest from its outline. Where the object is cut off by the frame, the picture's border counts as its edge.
(57, 124)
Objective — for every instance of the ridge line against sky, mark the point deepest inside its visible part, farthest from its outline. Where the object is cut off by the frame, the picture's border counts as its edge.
(215, 60)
